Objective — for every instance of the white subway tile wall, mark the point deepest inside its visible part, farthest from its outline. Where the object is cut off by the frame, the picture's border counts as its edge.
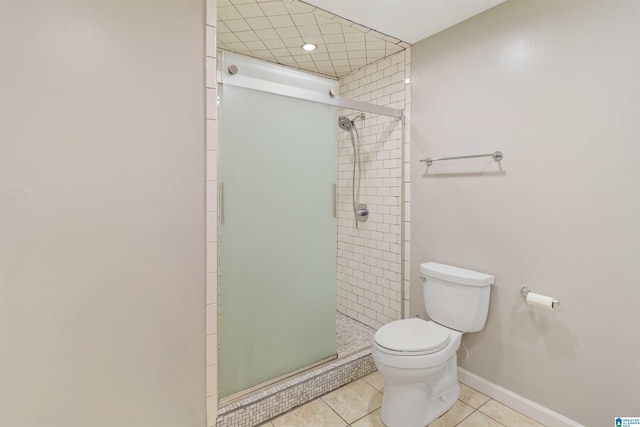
(212, 215)
(405, 182)
(370, 256)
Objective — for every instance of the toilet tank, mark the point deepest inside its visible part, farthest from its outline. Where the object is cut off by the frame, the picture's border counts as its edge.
(455, 297)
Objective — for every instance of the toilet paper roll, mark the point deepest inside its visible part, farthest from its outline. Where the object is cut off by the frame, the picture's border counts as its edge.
(540, 301)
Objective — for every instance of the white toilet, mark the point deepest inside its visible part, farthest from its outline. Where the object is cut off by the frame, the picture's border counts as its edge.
(417, 358)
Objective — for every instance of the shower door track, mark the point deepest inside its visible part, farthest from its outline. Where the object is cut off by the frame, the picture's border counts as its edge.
(224, 77)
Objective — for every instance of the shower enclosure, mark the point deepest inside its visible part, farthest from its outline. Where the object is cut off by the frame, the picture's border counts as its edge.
(277, 219)
(277, 223)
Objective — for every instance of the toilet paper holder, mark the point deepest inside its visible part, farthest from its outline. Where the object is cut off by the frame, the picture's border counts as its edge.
(524, 291)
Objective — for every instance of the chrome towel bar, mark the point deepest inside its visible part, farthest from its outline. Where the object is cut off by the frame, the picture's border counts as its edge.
(497, 156)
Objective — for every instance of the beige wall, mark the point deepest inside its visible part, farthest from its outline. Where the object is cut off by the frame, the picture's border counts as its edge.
(555, 86)
(103, 287)
(370, 256)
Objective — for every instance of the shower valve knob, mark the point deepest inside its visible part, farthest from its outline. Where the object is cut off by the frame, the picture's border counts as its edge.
(362, 213)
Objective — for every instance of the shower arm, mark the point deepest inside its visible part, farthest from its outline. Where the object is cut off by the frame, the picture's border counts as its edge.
(358, 116)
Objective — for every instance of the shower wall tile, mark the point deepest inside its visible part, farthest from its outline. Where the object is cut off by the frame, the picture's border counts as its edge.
(210, 35)
(212, 213)
(212, 257)
(212, 199)
(212, 167)
(212, 350)
(212, 410)
(211, 6)
(406, 183)
(370, 256)
(212, 320)
(212, 380)
(211, 217)
(212, 288)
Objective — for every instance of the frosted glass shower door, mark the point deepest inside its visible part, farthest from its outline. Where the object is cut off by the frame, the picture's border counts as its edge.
(277, 236)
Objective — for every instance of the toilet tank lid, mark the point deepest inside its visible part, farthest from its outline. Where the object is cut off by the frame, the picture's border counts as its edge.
(456, 274)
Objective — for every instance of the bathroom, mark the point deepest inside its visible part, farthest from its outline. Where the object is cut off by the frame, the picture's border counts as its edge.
(107, 204)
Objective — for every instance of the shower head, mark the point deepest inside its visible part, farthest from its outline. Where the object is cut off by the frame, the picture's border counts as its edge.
(345, 123)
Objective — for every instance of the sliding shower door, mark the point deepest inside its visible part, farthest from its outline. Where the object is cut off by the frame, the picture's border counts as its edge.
(277, 228)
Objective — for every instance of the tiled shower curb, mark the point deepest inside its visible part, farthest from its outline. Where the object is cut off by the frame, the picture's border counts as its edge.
(273, 401)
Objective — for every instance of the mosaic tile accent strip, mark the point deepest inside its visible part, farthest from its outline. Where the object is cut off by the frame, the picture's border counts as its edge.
(261, 407)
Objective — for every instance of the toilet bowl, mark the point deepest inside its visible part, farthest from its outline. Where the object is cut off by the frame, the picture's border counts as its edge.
(417, 358)
(419, 383)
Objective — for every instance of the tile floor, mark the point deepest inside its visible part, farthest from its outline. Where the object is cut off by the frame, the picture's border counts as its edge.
(358, 405)
(351, 335)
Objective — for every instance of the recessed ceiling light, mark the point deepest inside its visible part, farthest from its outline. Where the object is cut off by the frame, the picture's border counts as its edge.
(309, 47)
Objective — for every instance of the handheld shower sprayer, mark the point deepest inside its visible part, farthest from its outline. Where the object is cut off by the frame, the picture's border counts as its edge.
(360, 210)
(348, 124)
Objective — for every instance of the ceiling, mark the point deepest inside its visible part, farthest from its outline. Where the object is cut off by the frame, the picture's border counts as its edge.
(275, 30)
(408, 20)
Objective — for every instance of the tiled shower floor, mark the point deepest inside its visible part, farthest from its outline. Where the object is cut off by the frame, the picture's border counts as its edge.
(351, 335)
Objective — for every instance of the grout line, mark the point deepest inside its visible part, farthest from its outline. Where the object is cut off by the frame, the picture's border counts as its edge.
(376, 409)
(462, 420)
(331, 407)
(358, 419)
(364, 416)
(489, 416)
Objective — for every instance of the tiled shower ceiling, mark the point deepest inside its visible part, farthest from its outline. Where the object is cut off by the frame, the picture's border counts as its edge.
(275, 30)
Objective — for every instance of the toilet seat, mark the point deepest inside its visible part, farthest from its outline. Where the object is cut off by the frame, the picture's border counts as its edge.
(412, 337)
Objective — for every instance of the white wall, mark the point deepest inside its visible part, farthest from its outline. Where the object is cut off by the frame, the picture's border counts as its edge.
(555, 86)
(103, 287)
(370, 256)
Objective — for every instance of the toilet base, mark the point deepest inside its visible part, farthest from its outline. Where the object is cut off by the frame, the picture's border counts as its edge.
(416, 404)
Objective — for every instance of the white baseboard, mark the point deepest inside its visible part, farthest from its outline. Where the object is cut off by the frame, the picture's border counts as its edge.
(525, 406)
